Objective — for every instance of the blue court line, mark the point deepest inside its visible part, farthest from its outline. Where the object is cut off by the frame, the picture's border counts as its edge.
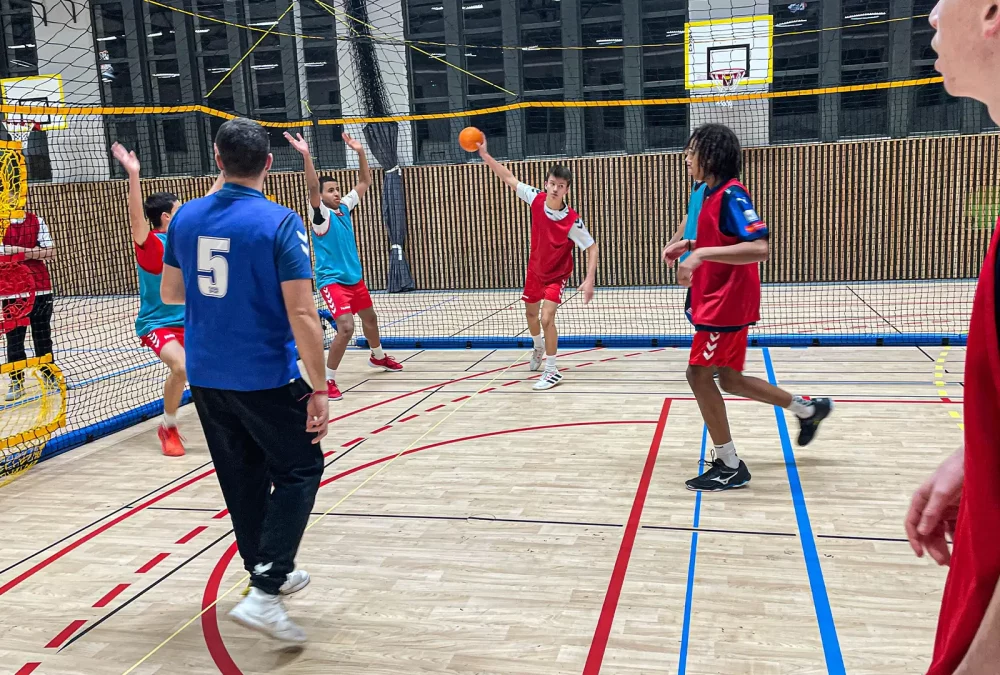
(821, 601)
(100, 378)
(424, 310)
(689, 594)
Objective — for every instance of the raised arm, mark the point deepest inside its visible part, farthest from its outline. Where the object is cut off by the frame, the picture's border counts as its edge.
(502, 172)
(312, 179)
(364, 173)
(136, 216)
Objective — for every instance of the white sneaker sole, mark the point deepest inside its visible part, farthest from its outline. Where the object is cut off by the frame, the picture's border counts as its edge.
(291, 590)
(540, 386)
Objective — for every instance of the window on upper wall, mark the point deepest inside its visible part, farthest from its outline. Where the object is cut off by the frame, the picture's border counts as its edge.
(541, 65)
(425, 17)
(161, 39)
(864, 59)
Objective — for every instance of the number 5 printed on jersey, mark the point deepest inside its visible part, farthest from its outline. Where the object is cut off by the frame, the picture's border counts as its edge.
(213, 268)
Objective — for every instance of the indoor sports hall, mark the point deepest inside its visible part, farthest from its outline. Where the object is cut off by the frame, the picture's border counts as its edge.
(467, 523)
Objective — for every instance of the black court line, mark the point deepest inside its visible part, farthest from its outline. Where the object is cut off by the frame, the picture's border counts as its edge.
(488, 316)
(142, 592)
(716, 531)
(873, 310)
(922, 351)
(481, 360)
(102, 518)
(413, 356)
(854, 538)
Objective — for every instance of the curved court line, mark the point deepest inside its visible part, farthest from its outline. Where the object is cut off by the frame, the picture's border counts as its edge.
(209, 617)
(87, 537)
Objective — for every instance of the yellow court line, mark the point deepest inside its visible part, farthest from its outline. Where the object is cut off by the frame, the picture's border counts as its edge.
(250, 51)
(520, 105)
(939, 382)
(330, 510)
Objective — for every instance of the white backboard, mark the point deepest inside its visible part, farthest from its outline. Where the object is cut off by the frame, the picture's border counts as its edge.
(36, 90)
(741, 42)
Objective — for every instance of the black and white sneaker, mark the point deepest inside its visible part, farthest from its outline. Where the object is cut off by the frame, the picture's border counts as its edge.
(810, 425)
(720, 477)
(549, 379)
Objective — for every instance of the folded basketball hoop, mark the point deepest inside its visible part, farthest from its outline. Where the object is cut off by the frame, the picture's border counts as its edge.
(726, 80)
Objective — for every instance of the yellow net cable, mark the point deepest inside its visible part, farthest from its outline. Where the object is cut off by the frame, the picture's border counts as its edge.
(250, 51)
(520, 105)
(203, 17)
(343, 499)
(393, 40)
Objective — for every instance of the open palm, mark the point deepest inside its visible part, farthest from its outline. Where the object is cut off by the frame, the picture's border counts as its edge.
(351, 143)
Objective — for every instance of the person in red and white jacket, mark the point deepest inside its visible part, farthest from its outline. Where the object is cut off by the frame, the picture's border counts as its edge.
(555, 229)
(30, 236)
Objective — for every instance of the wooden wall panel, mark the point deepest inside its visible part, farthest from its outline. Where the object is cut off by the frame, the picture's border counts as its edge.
(865, 211)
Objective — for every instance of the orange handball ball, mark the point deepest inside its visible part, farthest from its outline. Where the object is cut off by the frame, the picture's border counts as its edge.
(470, 138)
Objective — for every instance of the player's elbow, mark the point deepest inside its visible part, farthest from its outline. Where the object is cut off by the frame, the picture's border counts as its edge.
(763, 250)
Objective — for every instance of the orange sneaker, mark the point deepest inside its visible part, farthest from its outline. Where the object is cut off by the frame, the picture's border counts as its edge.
(170, 441)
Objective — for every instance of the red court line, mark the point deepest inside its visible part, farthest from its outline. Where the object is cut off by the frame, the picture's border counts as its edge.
(486, 390)
(588, 363)
(156, 560)
(606, 360)
(407, 419)
(209, 619)
(460, 398)
(887, 401)
(16, 581)
(221, 514)
(28, 668)
(353, 441)
(437, 407)
(327, 453)
(381, 429)
(607, 617)
(633, 354)
(65, 634)
(111, 595)
(192, 534)
(507, 384)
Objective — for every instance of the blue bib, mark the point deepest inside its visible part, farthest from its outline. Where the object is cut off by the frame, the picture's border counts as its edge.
(153, 313)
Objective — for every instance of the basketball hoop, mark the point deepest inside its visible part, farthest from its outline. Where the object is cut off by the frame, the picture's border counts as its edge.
(726, 80)
(19, 128)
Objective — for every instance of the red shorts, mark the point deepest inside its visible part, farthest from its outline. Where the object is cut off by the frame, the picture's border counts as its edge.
(536, 291)
(159, 338)
(346, 299)
(719, 350)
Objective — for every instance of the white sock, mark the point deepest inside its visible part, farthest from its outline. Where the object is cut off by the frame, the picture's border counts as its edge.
(550, 362)
(539, 341)
(169, 420)
(331, 374)
(802, 408)
(727, 453)
(378, 353)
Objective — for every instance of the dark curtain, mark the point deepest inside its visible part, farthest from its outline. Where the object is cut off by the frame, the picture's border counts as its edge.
(381, 139)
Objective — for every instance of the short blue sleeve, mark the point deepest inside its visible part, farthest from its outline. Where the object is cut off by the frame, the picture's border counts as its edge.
(738, 217)
(291, 250)
(169, 257)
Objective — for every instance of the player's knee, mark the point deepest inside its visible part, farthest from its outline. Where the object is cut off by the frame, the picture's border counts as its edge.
(531, 311)
(730, 381)
(179, 370)
(697, 375)
(548, 317)
(345, 327)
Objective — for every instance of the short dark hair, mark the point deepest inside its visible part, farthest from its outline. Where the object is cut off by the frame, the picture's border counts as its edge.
(561, 172)
(157, 204)
(323, 180)
(719, 152)
(243, 146)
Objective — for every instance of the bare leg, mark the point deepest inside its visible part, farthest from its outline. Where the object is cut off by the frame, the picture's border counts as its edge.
(549, 327)
(369, 326)
(711, 403)
(738, 384)
(531, 313)
(345, 331)
(172, 354)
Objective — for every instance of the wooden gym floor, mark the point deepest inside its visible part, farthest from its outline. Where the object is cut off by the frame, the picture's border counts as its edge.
(521, 533)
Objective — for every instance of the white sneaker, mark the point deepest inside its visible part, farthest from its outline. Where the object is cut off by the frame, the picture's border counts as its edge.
(537, 355)
(549, 379)
(266, 614)
(15, 392)
(295, 582)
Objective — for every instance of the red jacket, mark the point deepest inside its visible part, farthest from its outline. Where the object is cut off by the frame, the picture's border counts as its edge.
(975, 559)
(25, 234)
(551, 258)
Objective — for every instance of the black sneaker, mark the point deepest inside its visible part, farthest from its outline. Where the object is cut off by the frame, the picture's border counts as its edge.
(720, 477)
(810, 425)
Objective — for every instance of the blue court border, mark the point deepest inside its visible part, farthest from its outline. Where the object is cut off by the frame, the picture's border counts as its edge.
(814, 570)
(689, 593)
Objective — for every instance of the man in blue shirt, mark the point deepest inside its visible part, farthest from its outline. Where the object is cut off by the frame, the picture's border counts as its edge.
(240, 265)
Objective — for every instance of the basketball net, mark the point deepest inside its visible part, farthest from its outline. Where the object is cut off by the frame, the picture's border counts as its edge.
(13, 172)
(20, 128)
(726, 80)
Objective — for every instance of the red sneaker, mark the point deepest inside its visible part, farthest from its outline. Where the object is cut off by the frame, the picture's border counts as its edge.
(386, 363)
(332, 392)
(170, 441)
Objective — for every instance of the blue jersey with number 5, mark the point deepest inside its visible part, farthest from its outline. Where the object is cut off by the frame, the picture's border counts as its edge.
(234, 249)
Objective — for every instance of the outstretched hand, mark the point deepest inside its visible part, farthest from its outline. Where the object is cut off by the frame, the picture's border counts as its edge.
(934, 510)
(352, 144)
(127, 159)
(298, 143)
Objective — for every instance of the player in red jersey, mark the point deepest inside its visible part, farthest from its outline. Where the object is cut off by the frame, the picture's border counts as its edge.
(555, 229)
(962, 498)
(725, 301)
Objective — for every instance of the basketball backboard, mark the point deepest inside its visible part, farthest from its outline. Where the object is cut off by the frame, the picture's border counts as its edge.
(37, 90)
(740, 43)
